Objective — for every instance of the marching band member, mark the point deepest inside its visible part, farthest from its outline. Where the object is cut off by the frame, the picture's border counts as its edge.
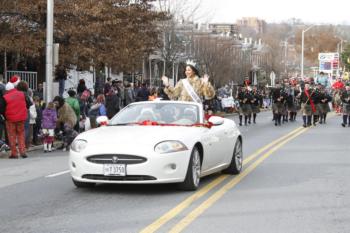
(325, 99)
(307, 105)
(345, 98)
(244, 98)
(278, 99)
(255, 102)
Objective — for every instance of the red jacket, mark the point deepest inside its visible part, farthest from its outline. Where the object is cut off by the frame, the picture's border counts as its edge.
(338, 85)
(16, 107)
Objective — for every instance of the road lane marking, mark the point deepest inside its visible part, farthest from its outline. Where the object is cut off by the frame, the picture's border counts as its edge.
(198, 194)
(57, 174)
(188, 219)
(255, 154)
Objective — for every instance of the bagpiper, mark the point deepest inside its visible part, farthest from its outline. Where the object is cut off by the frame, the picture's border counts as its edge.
(345, 98)
(278, 98)
(285, 93)
(292, 102)
(244, 98)
(307, 104)
(316, 99)
(255, 102)
(325, 100)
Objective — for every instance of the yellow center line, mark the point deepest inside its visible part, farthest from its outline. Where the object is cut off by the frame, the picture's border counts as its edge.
(218, 194)
(200, 193)
(255, 154)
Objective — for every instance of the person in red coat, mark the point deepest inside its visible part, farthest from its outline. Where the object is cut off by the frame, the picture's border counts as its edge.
(337, 87)
(15, 105)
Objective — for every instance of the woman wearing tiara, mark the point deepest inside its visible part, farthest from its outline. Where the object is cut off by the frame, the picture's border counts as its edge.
(192, 88)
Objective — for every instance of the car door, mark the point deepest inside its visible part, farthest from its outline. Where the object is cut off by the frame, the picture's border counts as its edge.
(213, 147)
(228, 140)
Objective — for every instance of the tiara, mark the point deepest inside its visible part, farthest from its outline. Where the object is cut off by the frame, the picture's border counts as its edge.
(191, 62)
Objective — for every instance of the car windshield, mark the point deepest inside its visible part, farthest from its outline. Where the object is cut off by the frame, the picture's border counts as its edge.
(160, 112)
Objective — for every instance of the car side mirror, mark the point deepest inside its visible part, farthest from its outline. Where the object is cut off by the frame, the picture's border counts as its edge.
(102, 120)
(216, 120)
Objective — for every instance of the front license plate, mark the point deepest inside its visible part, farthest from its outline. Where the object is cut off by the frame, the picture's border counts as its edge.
(114, 169)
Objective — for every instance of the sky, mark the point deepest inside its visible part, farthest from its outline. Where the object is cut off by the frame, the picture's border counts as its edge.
(309, 11)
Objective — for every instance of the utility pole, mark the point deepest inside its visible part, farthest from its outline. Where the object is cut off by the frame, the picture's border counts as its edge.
(285, 57)
(49, 51)
(302, 51)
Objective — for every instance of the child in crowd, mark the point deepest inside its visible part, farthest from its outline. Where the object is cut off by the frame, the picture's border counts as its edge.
(153, 94)
(49, 119)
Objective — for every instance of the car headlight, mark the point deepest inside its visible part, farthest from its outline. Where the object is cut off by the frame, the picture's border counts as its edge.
(169, 147)
(78, 145)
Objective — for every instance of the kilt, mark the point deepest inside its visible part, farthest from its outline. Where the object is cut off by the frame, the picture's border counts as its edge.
(245, 109)
(306, 109)
(318, 109)
(255, 108)
(278, 108)
(346, 109)
(285, 110)
(324, 108)
(293, 107)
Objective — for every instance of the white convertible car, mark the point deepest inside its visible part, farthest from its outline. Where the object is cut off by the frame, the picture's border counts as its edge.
(157, 142)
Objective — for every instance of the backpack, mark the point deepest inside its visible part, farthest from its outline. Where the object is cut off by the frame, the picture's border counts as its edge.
(85, 95)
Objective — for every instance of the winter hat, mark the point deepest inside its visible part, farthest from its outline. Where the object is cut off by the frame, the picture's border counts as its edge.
(9, 86)
(15, 80)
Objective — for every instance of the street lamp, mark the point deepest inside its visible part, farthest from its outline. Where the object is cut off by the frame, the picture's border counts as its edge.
(302, 50)
(49, 51)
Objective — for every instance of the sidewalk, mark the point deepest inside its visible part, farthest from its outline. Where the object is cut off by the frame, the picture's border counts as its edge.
(5, 155)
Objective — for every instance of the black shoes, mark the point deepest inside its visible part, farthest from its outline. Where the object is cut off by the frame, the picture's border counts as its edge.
(16, 157)
(342, 124)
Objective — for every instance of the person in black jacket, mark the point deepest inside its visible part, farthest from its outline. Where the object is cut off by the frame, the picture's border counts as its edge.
(81, 87)
(316, 100)
(143, 93)
(325, 99)
(345, 98)
(61, 77)
(244, 98)
(255, 102)
(307, 104)
(2, 109)
(278, 98)
(3, 144)
(112, 103)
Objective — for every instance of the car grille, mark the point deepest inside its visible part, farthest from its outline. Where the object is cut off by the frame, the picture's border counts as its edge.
(118, 178)
(116, 159)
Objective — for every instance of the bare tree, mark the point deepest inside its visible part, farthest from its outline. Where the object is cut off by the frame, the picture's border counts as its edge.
(182, 10)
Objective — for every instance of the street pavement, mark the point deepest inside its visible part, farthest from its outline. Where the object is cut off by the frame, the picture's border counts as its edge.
(294, 183)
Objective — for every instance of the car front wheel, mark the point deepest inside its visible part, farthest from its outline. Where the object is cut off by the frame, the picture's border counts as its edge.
(192, 179)
(237, 160)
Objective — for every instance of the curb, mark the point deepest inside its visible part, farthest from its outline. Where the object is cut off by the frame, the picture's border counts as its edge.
(6, 154)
